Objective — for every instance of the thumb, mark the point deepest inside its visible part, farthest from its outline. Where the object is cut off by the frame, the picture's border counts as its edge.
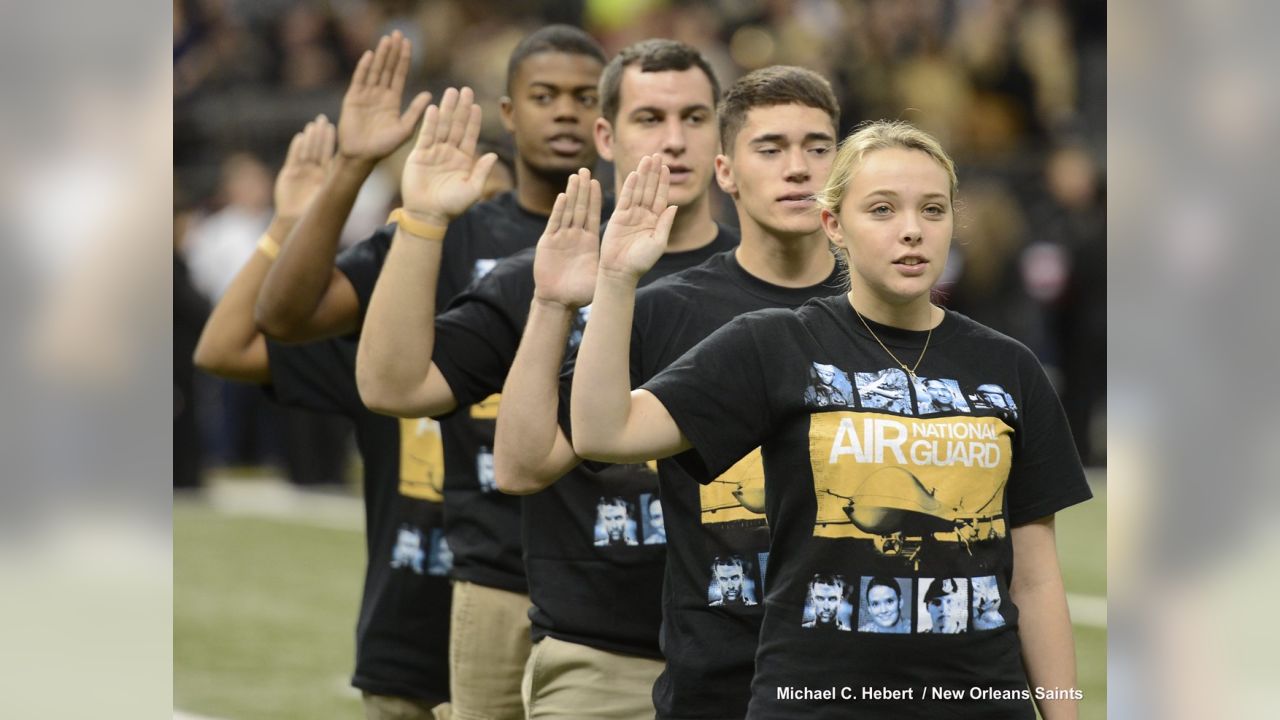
(665, 220)
(413, 113)
(480, 171)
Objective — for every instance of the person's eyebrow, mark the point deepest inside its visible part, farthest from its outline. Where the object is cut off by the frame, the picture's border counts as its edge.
(552, 86)
(890, 193)
(781, 138)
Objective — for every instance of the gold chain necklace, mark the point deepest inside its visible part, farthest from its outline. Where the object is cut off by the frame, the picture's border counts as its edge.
(909, 370)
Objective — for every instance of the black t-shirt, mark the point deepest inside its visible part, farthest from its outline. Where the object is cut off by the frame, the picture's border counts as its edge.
(482, 524)
(708, 636)
(889, 502)
(402, 639)
(587, 585)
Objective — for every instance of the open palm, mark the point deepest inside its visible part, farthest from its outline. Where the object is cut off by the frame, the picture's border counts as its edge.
(371, 125)
(305, 168)
(564, 267)
(641, 223)
(442, 177)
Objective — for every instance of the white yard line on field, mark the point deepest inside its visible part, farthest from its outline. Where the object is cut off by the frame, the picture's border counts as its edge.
(278, 500)
(1090, 610)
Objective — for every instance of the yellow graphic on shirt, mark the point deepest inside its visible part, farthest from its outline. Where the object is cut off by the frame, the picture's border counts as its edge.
(898, 481)
(738, 494)
(486, 409)
(421, 460)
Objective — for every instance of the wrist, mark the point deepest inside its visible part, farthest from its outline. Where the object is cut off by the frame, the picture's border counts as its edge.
(553, 306)
(619, 278)
(280, 228)
(438, 218)
(427, 227)
(354, 166)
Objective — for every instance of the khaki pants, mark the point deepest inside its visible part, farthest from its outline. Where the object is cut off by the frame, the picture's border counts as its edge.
(385, 707)
(568, 680)
(488, 648)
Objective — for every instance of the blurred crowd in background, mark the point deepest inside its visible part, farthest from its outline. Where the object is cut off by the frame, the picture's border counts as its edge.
(1015, 90)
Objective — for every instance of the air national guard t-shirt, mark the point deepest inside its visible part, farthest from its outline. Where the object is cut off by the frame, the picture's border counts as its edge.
(402, 638)
(890, 503)
(718, 541)
(482, 525)
(593, 542)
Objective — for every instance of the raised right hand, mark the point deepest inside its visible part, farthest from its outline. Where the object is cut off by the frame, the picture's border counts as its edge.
(442, 177)
(305, 168)
(371, 126)
(564, 267)
(641, 223)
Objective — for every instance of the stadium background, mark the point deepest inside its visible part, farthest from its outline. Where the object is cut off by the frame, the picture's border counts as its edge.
(266, 574)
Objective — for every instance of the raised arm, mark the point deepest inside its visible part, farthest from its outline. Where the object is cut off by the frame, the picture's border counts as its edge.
(1044, 622)
(305, 297)
(442, 178)
(231, 345)
(531, 451)
(610, 422)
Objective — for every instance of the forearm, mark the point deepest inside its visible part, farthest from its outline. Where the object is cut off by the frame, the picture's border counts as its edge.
(1044, 623)
(231, 346)
(393, 361)
(530, 450)
(601, 397)
(301, 274)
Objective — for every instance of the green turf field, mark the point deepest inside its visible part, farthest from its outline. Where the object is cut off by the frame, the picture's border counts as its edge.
(265, 609)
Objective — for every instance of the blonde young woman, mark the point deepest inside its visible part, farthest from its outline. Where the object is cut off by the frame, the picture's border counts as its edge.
(941, 501)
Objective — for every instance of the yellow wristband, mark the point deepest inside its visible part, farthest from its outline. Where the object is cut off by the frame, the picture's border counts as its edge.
(269, 246)
(417, 228)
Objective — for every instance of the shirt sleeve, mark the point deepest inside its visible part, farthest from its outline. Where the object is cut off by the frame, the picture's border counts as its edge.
(317, 376)
(477, 336)
(1046, 475)
(362, 262)
(718, 396)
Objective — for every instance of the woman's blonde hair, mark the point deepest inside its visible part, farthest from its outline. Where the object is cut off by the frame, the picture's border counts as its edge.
(879, 135)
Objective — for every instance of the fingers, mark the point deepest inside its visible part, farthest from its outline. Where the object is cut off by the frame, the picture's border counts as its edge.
(361, 76)
(328, 142)
(652, 173)
(664, 187)
(430, 123)
(583, 199)
(471, 131)
(401, 70)
(448, 104)
(480, 171)
(628, 189)
(556, 220)
(593, 209)
(304, 146)
(394, 50)
(414, 112)
(380, 56)
(570, 201)
(665, 220)
(295, 149)
(461, 114)
(323, 131)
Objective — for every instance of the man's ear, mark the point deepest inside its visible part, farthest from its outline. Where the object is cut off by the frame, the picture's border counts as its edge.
(507, 111)
(603, 133)
(724, 176)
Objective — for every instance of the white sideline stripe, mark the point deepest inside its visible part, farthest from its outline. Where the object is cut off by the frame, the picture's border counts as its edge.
(180, 715)
(1088, 610)
(278, 500)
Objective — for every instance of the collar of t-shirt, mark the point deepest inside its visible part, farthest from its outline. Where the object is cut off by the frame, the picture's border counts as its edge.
(892, 336)
(777, 294)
